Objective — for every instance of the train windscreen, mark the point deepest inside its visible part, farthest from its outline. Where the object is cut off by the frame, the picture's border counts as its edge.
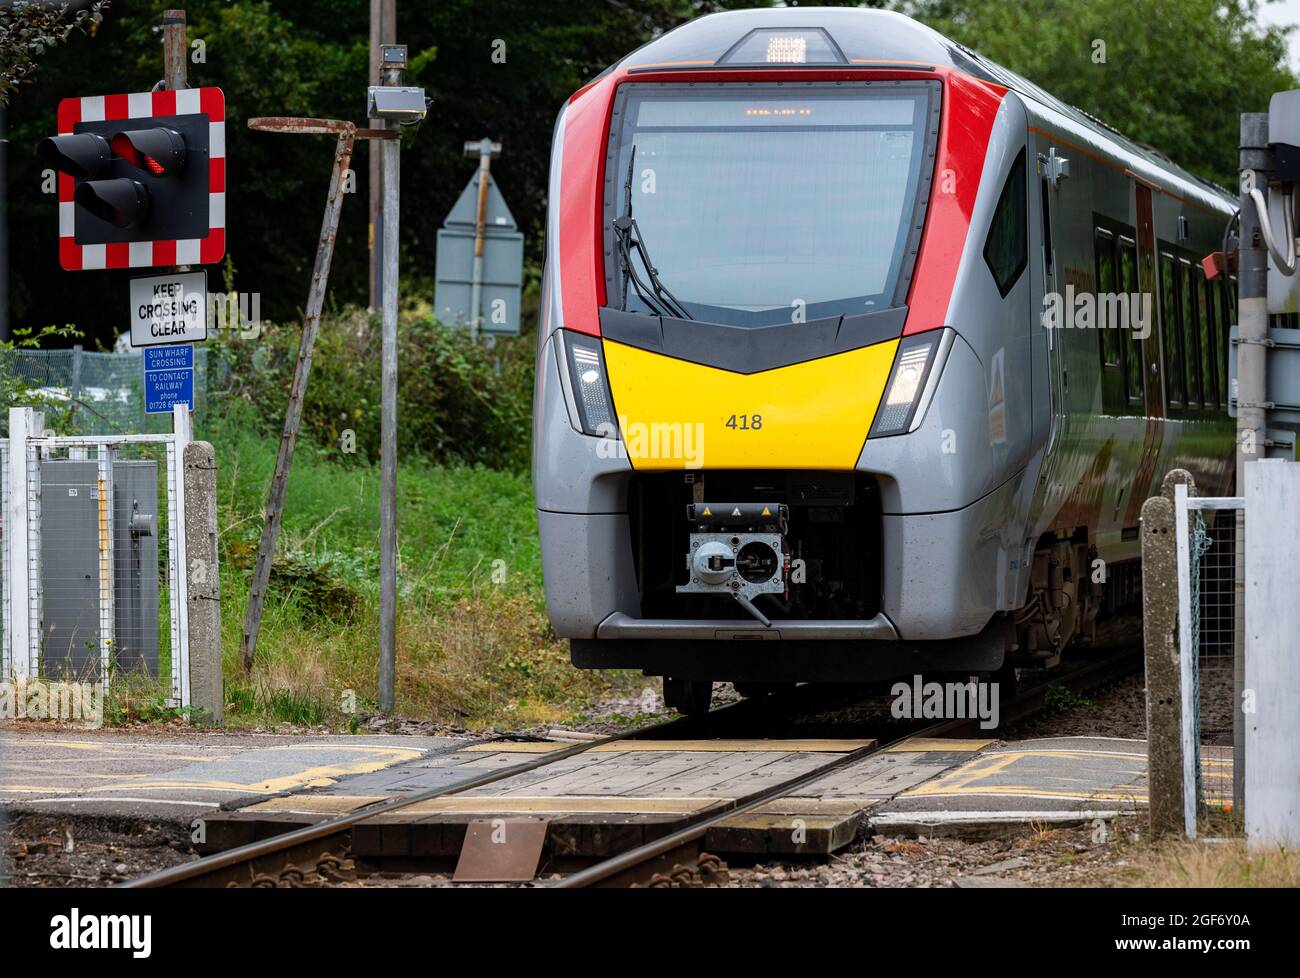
(758, 206)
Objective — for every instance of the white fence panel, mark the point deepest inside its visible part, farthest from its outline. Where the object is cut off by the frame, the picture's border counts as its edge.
(25, 540)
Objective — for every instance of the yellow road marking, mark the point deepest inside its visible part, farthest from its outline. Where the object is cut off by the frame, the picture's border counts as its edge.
(315, 804)
(926, 744)
(360, 748)
(515, 747)
(563, 804)
(1027, 792)
(704, 746)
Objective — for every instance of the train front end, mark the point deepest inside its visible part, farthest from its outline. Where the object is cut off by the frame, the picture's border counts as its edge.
(755, 229)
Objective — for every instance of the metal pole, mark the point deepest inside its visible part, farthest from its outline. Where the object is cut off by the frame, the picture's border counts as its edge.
(74, 397)
(175, 59)
(480, 227)
(298, 389)
(1252, 330)
(388, 424)
(380, 34)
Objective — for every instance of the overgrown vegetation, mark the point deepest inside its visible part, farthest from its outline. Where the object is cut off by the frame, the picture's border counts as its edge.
(474, 646)
(29, 30)
(1216, 865)
(460, 403)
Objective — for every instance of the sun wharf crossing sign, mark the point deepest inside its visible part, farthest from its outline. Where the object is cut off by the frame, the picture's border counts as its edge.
(168, 378)
(169, 308)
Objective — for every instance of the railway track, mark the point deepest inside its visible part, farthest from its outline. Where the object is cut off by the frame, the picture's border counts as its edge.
(676, 860)
(321, 850)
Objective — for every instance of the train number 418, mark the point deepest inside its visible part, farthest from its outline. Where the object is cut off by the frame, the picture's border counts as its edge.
(745, 422)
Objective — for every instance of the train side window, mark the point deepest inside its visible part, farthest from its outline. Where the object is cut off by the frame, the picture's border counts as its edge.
(1113, 396)
(1209, 339)
(1049, 253)
(1175, 389)
(1189, 333)
(1006, 251)
(1104, 248)
(1133, 371)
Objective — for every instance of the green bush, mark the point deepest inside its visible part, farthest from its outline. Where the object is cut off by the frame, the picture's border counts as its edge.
(457, 402)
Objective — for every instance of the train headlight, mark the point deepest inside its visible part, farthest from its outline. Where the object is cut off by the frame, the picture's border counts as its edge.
(906, 382)
(590, 385)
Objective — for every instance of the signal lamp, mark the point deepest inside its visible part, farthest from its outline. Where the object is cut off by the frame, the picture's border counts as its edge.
(160, 152)
(122, 202)
(82, 155)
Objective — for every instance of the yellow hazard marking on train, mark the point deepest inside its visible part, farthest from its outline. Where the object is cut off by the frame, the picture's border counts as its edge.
(815, 415)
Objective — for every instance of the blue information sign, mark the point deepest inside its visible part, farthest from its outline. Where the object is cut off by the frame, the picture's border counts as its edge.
(168, 378)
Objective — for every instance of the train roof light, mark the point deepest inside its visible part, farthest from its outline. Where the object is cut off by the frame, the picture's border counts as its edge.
(775, 46)
(787, 49)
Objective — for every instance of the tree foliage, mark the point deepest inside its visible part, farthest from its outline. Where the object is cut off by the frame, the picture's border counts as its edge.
(28, 30)
(1175, 74)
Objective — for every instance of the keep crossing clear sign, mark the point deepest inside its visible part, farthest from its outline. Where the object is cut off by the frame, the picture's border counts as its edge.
(168, 378)
(169, 308)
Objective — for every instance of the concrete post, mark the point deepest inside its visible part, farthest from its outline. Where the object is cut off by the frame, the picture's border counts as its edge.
(1272, 677)
(1160, 648)
(207, 694)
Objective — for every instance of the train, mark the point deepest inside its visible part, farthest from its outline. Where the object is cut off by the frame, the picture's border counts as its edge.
(858, 355)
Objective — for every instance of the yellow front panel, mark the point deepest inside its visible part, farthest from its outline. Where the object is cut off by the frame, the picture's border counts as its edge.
(679, 415)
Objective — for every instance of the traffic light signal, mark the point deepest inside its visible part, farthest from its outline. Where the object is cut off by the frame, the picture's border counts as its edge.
(142, 179)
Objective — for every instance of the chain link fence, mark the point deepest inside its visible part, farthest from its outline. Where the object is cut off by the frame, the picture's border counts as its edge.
(104, 392)
(1209, 531)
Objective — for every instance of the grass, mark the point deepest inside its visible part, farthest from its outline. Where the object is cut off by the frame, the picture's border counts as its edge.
(1227, 864)
(474, 648)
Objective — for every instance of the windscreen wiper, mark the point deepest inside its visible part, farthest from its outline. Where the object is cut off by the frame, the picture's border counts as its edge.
(655, 295)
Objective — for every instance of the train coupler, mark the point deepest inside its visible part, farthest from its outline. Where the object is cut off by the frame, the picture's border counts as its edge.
(738, 550)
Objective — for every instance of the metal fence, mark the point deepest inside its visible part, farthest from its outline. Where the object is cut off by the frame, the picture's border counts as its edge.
(1208, 535)
(95, 585)
(104, 392)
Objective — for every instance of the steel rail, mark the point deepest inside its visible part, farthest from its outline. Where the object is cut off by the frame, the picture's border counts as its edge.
(207, 870)
(306, 843)
(193, 873)
(1023, 704)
